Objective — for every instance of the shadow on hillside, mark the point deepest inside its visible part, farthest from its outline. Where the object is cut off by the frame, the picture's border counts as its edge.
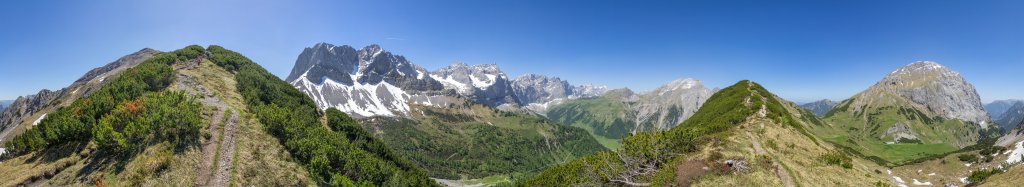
(56, 153)
(105, 160)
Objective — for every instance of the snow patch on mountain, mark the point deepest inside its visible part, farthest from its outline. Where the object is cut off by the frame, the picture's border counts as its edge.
(1015, 155)
(451, 83)
(362, 99)
(40, 119)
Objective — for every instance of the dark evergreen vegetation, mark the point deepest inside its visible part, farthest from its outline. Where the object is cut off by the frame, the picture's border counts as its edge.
(127, 113)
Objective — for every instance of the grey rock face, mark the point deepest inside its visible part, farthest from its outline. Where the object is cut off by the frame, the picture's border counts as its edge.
(326, 61)
(26, 106)
(898, 132)
(931, 87)
(820, 107)
(377, 65)
(23, 109)
(996, 109)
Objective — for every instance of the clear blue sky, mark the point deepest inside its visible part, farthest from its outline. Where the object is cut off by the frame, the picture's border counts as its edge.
(800, 50)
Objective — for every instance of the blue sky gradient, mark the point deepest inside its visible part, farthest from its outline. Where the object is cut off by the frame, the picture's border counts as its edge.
(801, 50)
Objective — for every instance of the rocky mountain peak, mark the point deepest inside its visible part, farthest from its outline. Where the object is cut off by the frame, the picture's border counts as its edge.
(921, 72)
(932, 87)
(370, 65)
(326, 61)
(372, 49)
(679, 84)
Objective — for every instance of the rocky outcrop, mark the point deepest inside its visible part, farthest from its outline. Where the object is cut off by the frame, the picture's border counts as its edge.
(25, 109)
(820, 107)
(26, 106)
(899, 132)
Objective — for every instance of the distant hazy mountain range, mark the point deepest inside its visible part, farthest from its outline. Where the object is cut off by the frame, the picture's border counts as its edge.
(996, 108)
(820, 107)
(4, 104)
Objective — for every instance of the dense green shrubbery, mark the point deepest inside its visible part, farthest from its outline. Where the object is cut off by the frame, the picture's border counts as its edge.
(130, 108)
(969, 158)
(837, 158)
(157, 116)
(343, 157)
(468, 148)
(981, 175)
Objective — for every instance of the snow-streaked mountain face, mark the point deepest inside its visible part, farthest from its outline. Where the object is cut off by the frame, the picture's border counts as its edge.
(363, 83)
(931, 87)
(373, 82)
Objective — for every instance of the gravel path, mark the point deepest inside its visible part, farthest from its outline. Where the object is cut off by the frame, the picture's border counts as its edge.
(226, 152)
(220, 148)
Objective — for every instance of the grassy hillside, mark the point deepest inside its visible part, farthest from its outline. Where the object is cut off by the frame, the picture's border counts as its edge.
(469, 140)
(605, 117)
(743, 122)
